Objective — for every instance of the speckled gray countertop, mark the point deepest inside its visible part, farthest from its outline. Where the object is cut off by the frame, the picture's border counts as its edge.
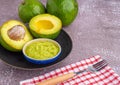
(95, 31)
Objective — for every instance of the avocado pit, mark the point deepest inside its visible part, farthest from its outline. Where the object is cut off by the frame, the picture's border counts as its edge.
(16, 33)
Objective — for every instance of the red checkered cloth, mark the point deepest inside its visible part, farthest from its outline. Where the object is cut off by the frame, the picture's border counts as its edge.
(105, 76)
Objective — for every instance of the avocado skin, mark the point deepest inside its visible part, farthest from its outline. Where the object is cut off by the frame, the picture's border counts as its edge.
(29, 9)
(66, 10)
(51, 36)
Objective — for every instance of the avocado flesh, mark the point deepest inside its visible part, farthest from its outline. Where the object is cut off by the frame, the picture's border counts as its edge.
(5, 45)
(66, 10)
(29, 9)
(14, 35)
(45, 26)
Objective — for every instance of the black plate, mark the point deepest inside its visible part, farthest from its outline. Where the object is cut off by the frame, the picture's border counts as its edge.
(17, 59)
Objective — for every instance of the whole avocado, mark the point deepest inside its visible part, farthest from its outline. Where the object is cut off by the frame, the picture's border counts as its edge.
(30, 8)
(66, 10)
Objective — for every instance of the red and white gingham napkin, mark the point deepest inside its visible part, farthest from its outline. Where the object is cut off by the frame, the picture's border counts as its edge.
(105, 76)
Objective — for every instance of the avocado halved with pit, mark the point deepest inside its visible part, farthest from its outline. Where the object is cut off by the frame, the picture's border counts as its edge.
(13, 35)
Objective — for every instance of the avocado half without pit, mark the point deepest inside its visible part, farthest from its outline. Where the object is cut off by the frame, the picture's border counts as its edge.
(45, 26)
(14, 35)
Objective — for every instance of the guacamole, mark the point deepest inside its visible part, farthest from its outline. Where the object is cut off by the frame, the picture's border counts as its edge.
(42, 50)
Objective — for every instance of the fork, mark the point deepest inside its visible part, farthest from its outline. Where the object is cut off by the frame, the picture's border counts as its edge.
(93, 68)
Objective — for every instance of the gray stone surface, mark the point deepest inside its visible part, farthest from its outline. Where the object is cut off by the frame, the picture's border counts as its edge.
(95, 31)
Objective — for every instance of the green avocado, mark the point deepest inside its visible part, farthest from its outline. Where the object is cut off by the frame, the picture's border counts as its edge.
(66, 10)
(13, 35)
(30, 8)
(45, 26)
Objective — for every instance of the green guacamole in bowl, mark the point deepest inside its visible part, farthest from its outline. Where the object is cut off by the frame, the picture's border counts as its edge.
(42, 50)
(39, 50)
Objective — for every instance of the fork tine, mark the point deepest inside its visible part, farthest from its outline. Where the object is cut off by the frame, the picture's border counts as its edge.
(100, 65)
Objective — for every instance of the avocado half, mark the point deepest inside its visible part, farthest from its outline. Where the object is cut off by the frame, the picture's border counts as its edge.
(45, 26)
(13, 35)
